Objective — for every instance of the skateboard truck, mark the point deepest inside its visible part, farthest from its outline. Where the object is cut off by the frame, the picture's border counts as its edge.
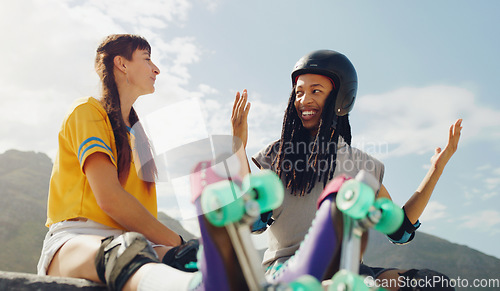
(226, 204)
(356, 200)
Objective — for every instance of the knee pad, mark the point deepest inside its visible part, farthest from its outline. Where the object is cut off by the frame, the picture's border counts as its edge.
(425, 280)
(119, 258)
(183, 257)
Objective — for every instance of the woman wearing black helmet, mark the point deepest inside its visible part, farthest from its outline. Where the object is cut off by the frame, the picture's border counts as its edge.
(315, 147)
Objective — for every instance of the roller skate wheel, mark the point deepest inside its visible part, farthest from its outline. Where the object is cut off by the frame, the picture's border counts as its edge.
(392, 216)
(266, 188)
(344, 280)
(355, 198)
(222, 204)
(305, 283)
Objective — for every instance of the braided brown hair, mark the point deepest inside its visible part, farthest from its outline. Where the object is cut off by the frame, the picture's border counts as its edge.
(123, 45)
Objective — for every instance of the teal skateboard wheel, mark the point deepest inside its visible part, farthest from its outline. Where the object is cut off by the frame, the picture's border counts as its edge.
(344, 280)
(392, 216)
(305, 283)
(355, 198)
(222, 204)
(266, 188)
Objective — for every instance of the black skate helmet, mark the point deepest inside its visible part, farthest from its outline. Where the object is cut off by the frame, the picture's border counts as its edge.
(337, 67)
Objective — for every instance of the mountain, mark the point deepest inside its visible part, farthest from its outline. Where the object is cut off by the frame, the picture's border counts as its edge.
(430, 252)
(24, 181)
(24, 184)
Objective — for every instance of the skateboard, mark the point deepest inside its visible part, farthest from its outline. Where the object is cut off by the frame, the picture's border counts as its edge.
(361, 211)
(235, 205)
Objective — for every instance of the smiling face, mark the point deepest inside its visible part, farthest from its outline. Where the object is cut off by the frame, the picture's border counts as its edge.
(141, 72)
(311, 92)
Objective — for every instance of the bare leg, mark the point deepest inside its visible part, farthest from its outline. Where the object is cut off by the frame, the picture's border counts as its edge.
(76, 258)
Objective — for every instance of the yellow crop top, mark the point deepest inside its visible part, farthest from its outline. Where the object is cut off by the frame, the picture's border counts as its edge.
(86, 130)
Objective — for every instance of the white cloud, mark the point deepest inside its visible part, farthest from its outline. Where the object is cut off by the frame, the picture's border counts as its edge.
(469, 195)
(492, 183)
(417, 120)
(152, 14)
(206, 89)
(489, 195)
(48, 52)
(483, 168)
(487, 182)
(264, 122)
(472, 193)
(485, 221)
(211, 5)
(434, 211)
(185, 52)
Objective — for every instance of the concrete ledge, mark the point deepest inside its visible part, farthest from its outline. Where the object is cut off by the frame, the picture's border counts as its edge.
(24, 281)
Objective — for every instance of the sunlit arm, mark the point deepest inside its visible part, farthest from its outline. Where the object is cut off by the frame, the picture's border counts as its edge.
(239, 124)
(415, 206)
(121, 205)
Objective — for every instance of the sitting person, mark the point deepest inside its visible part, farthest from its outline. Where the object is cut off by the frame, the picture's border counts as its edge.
(314, 148)
(102, 204)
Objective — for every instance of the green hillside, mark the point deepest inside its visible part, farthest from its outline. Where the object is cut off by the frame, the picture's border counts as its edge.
(24, 180)
(24, 184)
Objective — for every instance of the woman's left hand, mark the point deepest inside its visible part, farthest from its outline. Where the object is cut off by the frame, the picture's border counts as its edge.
(239, 117)
(441, 157)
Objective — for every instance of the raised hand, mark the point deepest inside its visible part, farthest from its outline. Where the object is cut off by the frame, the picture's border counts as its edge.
(415, 206)
(441, 157)
(239, 117)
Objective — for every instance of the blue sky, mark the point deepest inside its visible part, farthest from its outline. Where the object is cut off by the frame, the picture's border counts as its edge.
(421, 65)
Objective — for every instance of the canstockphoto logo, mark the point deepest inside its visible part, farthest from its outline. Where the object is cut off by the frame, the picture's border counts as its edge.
(431, 282)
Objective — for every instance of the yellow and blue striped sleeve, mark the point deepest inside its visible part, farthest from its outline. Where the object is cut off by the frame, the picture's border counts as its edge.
(89, 131)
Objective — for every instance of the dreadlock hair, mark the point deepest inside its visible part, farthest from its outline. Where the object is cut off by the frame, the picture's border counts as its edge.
(319, 153)
(123, 45)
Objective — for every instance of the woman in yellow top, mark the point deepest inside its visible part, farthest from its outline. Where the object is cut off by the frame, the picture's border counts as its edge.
(95, 190)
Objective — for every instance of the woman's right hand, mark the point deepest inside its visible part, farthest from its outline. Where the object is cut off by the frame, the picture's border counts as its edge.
(239, 117)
